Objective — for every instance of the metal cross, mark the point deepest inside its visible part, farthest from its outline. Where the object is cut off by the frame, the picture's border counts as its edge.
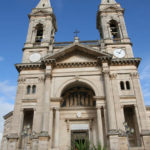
(76, 32)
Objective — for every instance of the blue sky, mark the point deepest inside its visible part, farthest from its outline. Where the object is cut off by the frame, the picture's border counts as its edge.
(71, 15)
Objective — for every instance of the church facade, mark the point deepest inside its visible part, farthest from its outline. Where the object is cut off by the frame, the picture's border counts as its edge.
(79, 89)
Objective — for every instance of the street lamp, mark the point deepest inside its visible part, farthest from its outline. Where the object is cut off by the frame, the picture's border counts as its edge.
(128, 131)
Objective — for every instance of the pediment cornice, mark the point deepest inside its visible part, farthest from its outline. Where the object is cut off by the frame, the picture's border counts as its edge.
(76, 47)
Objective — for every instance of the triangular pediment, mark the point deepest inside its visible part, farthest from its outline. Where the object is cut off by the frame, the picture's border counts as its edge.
(77, 53)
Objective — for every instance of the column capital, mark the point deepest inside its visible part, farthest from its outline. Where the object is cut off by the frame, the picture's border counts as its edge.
(99, 107)
(21, 80)
(56, 108)
(106, 72)
(48, 71)
(135, 75)
(113, 76)
(41, 79)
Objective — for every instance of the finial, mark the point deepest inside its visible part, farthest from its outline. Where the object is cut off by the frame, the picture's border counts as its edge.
(108, 2)
(44, 4)
(76, 33)
(76, 38)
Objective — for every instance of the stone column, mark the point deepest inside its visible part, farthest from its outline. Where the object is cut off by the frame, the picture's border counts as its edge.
(122, 118)
(112, 127)
(116, 98)
(140, 101)
(51, 125)
(141, 111)
(56, 136)
(109, 99)
(46, 104)
(100, 126)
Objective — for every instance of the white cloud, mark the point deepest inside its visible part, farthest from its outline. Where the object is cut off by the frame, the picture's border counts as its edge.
(7, 92)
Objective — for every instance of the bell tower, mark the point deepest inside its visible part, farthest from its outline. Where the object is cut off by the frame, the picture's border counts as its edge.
(42, 25)
(111, 26)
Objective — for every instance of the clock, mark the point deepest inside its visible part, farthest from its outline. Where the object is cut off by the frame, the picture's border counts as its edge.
(79, 114)
(119, 53)
(35, 57)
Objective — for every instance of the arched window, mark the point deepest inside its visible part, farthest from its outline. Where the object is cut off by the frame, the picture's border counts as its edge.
(78, 96)
(122, 85)
(33, 89)
(28, 89)
(128, 85)
(114, 30)
(39, 33)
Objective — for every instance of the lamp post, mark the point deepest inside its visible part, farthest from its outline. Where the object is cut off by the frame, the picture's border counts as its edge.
(128, 131)
(26, 135)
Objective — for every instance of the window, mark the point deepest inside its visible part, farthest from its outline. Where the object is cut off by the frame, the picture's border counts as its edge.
(28, 89)
(122, 85)
(114, 30)
(33, 89)
(39, 34)
(128, 85)
(78, 97)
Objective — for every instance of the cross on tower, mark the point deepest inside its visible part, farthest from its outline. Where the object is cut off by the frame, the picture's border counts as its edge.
(76, 33)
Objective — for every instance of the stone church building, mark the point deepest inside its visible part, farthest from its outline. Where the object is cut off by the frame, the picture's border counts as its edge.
(78, 89)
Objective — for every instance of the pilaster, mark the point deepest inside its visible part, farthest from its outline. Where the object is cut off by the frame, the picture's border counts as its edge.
(46, 104)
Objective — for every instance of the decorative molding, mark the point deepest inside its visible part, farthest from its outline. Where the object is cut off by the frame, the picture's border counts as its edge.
(113, 76)
(51, 62)
(127, 97)
(8, 115)
(104, 59)
(135, 75)
(76, 64)
(29, 66)
(12, 136)
(126, 61)
(99, 98)
(21, 80)
(29, 100)
(145, 133)
(56, 99)
(41, 79)
(113, 132)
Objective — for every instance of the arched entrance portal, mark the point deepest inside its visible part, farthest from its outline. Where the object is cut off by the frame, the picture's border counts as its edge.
(78, 108)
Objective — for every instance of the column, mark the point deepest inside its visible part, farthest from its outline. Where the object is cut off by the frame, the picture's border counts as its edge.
(122, 118)
(56, 136)
(46, 99)
(109, 101)
(51, 125)
(100, 126)
(112, 127)
(140, 101)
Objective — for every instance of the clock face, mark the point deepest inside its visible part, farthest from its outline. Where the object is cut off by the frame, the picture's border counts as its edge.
(119, 53)
(35, 57)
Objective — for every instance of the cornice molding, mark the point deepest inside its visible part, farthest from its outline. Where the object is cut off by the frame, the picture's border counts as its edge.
(126, 61)
(28, 66)
(100, 60)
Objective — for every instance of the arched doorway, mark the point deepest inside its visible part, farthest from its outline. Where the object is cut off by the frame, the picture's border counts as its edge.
(78, 101)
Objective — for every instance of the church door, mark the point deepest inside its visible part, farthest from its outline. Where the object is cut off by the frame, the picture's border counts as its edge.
(79, 136)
